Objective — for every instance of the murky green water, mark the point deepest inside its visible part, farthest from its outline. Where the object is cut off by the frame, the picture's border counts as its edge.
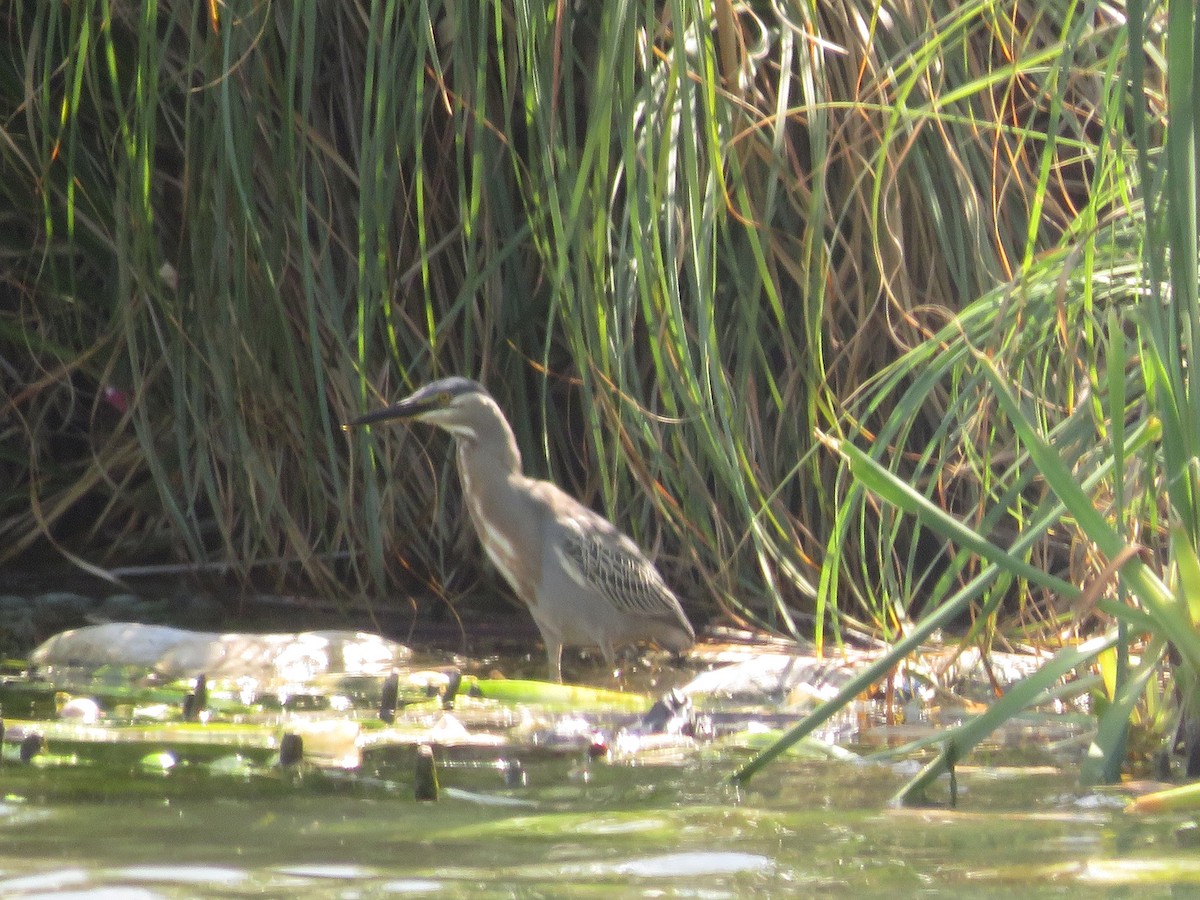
(118, 816)
(575, 828)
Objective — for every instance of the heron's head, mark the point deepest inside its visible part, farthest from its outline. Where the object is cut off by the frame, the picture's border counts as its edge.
(461, 406)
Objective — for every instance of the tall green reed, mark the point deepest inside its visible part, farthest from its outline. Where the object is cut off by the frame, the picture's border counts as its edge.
(678, 241)
(1076, 377)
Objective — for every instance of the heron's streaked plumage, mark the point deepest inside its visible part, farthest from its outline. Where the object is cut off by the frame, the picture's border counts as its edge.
(585, 583)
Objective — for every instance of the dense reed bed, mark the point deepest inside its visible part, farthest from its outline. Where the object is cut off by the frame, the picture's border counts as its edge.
(694, 250)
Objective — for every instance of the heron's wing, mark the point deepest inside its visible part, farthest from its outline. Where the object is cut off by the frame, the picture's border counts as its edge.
(611, 564)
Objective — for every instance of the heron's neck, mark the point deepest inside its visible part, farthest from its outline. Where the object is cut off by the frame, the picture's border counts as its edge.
(493, 447)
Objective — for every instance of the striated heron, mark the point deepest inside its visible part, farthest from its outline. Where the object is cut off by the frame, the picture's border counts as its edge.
(585, 583)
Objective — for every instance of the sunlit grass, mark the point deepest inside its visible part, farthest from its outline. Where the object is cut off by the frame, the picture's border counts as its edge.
(1067, 396)
(684, 244)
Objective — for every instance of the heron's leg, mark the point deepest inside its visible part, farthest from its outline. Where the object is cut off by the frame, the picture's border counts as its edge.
(554, 658)
(610, 657)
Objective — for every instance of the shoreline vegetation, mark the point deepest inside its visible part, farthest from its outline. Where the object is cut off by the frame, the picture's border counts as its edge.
(854, 315)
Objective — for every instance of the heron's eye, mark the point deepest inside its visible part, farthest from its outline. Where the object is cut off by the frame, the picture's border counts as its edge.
(443, 398)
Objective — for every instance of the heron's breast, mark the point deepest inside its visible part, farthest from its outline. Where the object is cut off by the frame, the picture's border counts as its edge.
(506, 531)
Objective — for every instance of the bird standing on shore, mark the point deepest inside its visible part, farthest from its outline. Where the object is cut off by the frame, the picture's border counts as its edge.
(585, 583)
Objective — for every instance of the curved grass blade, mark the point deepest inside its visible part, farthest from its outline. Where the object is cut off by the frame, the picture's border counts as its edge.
(960, 740)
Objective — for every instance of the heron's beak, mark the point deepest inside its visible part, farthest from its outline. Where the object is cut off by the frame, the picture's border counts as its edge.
(409, 408)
